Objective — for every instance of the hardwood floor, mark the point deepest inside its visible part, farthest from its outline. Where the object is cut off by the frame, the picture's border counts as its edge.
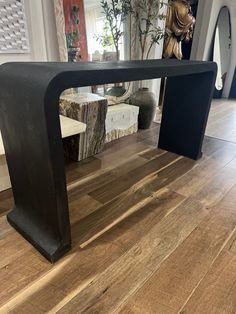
(222, 120)
(152, 232)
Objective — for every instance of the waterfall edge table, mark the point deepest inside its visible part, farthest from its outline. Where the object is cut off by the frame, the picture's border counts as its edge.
(30, 126)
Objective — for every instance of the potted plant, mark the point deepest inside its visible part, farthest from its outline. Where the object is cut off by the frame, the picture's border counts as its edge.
(146, 14)
(116, 13)
(105, 39)
(73, 37)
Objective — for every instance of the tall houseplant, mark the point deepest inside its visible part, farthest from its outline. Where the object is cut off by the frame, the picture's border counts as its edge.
(146, 15)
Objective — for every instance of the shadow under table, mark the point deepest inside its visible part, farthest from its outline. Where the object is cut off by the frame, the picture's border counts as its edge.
(29, 121)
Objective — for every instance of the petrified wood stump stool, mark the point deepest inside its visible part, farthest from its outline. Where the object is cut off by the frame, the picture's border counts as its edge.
(29, 121)
(90, 109)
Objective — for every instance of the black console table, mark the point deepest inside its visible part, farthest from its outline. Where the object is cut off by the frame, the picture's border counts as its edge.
(29, 122)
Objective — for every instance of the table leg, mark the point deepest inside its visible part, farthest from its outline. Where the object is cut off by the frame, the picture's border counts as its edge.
(34, 154)
(185, 113)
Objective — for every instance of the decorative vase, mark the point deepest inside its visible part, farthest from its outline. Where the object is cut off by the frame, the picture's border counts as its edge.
(146, 102)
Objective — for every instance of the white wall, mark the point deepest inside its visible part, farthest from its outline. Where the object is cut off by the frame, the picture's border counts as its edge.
(42, 33)
(208, 12)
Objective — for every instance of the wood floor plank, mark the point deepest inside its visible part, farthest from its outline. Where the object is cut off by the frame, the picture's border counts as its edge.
(221, 122)
(82, 206)
(172, 284)
(87, 184)
(121, 155)
(122, 278)
(17, 257)
(211, 145)
(81, 169)
(216, 293)
(232, 164)
(129, 201)
(6, 201)
(130, 139)
(227, 153)
(80, 268)
(210, 179)
(115, 188)
(207, 190)
(215, 188)
(126, 241)
(33, 280)
(152, 153)
(154, 304)
(102, 163)
(4, 227)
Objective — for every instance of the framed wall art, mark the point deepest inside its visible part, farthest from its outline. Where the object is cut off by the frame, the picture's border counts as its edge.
(71, 30)
(13, 27)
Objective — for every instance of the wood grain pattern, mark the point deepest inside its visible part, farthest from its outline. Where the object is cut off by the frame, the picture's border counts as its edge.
(123, 183)
(222, 120)
(171, 285)
(217, 292)
(130, 271)
(152, 233)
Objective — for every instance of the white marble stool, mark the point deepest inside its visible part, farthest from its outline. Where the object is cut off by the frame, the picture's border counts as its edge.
(121, 120)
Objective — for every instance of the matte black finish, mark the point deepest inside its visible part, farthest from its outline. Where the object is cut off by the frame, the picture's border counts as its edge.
(232, 93)
(185, 114)
(29, 121)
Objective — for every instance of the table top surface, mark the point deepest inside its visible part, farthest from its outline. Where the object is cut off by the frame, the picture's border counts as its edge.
(111, 65)
(63, 75)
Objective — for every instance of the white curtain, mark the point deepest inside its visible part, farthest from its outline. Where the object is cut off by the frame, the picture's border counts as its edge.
(92, 16)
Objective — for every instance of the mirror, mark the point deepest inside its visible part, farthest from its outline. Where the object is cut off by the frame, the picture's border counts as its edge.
(101, 46)
(222, 49)
(99, 38)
